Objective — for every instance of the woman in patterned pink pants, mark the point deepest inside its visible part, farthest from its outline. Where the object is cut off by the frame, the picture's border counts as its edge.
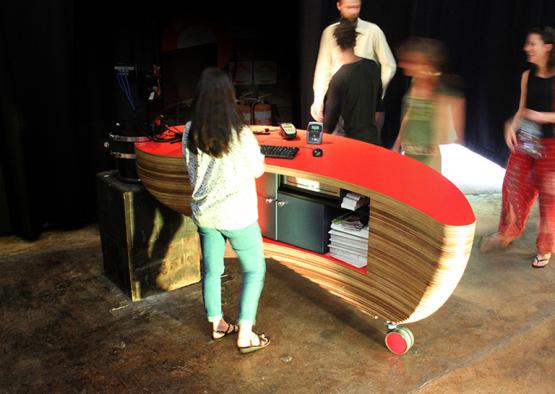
(531, 171)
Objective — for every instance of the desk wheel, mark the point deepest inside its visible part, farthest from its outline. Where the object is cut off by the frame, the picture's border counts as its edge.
(399, 340)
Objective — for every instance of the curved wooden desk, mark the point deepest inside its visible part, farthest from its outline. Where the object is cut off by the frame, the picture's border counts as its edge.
(421, 225)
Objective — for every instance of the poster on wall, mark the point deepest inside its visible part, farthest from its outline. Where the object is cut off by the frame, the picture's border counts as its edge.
(265, 73)
(240, 73)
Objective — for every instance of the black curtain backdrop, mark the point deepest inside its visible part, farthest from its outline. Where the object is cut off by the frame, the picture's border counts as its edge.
(57, 103)
(58, 87)
(484, 39)
(37, 113)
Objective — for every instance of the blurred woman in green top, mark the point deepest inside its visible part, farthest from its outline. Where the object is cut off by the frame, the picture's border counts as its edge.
(433, 108)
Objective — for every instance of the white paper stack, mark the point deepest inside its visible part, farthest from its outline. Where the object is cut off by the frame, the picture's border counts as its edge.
(349, 242)
(354, 201)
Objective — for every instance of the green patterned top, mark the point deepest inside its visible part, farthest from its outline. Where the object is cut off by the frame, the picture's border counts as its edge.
(421, 117)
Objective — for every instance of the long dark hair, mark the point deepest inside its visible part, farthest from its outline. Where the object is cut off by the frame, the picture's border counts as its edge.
(548, 37)
(215, 114)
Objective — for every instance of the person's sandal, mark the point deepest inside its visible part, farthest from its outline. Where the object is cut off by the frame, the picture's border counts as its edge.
(541, 261)
(263, 341)
(231, 329)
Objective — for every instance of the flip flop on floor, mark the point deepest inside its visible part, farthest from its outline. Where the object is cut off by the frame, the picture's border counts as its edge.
(263, 341)
(231, 329)
(541, 261)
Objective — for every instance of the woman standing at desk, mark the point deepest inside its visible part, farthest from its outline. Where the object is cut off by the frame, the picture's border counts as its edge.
(223, 159)
(531, 166)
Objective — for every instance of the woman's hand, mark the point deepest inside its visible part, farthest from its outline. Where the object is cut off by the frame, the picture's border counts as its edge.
(535, 116)
(317, 112)
(510, 136)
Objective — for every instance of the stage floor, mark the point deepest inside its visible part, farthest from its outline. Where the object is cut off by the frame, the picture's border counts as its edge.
(66, 328)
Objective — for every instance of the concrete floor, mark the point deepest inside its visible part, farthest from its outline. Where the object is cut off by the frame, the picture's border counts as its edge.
(64, 327)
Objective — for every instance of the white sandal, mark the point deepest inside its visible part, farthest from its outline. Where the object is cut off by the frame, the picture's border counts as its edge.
(541, 261)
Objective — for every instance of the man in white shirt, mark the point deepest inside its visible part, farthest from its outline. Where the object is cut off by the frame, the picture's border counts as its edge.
(371, 44)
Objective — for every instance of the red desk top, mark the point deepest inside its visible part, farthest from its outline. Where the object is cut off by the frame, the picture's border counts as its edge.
(368, 166)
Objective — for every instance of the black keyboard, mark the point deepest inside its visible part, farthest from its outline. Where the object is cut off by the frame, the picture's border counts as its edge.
(282, 152)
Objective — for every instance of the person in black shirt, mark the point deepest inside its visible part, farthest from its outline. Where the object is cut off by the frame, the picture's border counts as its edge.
(354, 91)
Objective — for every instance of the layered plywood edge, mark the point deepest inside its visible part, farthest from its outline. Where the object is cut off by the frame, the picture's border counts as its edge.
(166, 178)
(414, 262)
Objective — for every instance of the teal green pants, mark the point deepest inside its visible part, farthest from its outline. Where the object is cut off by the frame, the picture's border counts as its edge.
(247, 244)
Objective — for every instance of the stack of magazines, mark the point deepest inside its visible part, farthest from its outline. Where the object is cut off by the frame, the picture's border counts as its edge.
(354, 201)
(349, 239)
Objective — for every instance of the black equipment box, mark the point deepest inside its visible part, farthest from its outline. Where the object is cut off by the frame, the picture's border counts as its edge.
(147, 248)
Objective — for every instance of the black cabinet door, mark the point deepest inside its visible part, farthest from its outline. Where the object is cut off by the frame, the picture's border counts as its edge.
(304, 221)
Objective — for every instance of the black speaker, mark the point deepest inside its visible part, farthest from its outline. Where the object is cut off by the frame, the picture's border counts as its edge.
(147, 248)
(122, 147)
(137, 98)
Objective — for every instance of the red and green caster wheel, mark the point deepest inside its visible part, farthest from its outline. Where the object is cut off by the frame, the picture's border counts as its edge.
(399, 340)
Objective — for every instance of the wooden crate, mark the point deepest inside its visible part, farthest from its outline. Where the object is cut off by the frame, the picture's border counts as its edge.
(147, 248)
